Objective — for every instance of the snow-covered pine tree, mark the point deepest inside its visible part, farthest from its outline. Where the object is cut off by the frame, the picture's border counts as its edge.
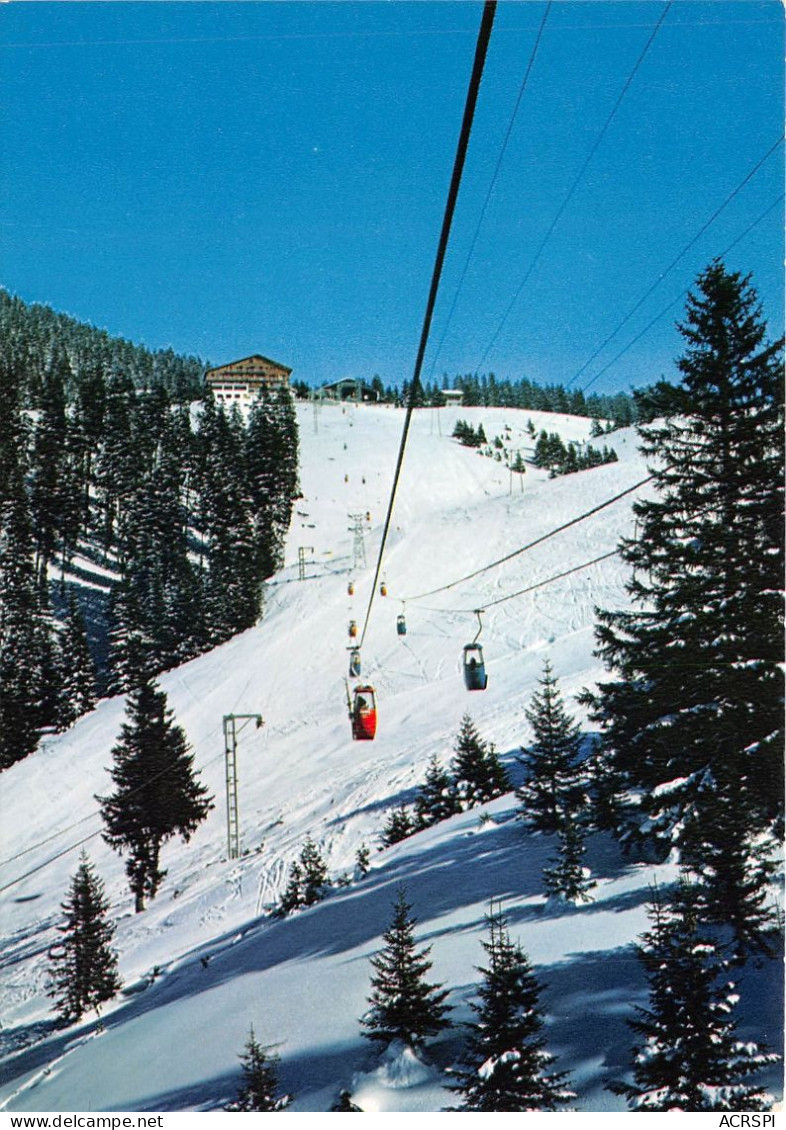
(734, 872)
(398, 826)
(232, 580)
(48, 455)
(292, 897)
(507, 1066)
(362, 861)
(84, 964)
(157, 794)
(693, 717)
(404, 1006)
(271, 460)
(76, 670)
(477, 772)
(315, 874)
(554, 783)
(436, 799)
(307, 881)
(568, 878)
(690, 1058)
(259, 1090)
(25, 636)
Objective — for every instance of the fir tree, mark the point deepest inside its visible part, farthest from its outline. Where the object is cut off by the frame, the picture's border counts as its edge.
(259, 1091)
(315, 875)
(399, 825)
(404, 1006)
(693, 719)
(477, 772)
(25, 637)
(308, 880)
(568, 878)
(84, 965)
(690, 1058)
(362, 861)
(553, 786)
(507, 1066)
(292, 897)
(77, 675)
(157, 795)
(436, 799)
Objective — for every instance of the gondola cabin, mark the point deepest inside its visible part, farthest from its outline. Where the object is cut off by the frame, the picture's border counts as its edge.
(351, 589)
(353, 629)
(364, 714)
(354, 662)
(475, 677)
(401, 624)
(383, 589)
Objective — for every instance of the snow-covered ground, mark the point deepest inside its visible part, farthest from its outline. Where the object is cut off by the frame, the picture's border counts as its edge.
(205, 960)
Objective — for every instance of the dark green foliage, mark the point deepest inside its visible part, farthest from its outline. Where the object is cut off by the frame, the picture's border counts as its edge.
(26, 705)
(362, 861)
(568, 878)
(690, 1058)
(189, 516)
(507, 1068)
(37, 332)
(492, 391)
(552, 454)
(735, 869)
(404, 1006)
(308, 880)
(399, 825)
(77, 676)
(157, 795)
(436, 799)
(477, 772)
(554, 787)
(84, 965)
(693, 718)
(467, 436)
(259, 1091)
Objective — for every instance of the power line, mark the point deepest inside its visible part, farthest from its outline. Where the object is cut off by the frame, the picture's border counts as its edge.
(484, 34)
(492, 185)
(532, 544)
(575, 184)
(676, 260)
(681, 296)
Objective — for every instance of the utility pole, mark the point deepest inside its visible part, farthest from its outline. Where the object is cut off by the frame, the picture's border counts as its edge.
(231, 732)
(358, 545)
(301, 561)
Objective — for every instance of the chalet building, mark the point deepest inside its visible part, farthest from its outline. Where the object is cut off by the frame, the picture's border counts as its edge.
(239, 382)
(348, 389)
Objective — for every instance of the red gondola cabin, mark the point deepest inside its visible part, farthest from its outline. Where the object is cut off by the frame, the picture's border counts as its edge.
(364, 714)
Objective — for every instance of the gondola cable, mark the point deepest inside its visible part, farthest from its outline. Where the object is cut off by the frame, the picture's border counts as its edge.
(679, 297)
(676, 260)
(532, 544)
(577, 180)
(491, 187)
(484, 34)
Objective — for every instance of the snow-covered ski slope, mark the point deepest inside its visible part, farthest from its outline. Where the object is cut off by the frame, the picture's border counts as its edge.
(206, 960)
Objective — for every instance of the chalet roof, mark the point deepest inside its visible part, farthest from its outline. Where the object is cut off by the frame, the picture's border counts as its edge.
(243, 360)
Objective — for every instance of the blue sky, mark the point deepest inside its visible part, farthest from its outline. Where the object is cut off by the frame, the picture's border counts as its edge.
(270, 177)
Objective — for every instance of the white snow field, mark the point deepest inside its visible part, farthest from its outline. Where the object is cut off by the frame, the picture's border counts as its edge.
(206, 960)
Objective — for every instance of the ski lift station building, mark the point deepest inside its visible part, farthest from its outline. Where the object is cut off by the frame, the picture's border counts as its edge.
(348, 389)
(239, 382)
